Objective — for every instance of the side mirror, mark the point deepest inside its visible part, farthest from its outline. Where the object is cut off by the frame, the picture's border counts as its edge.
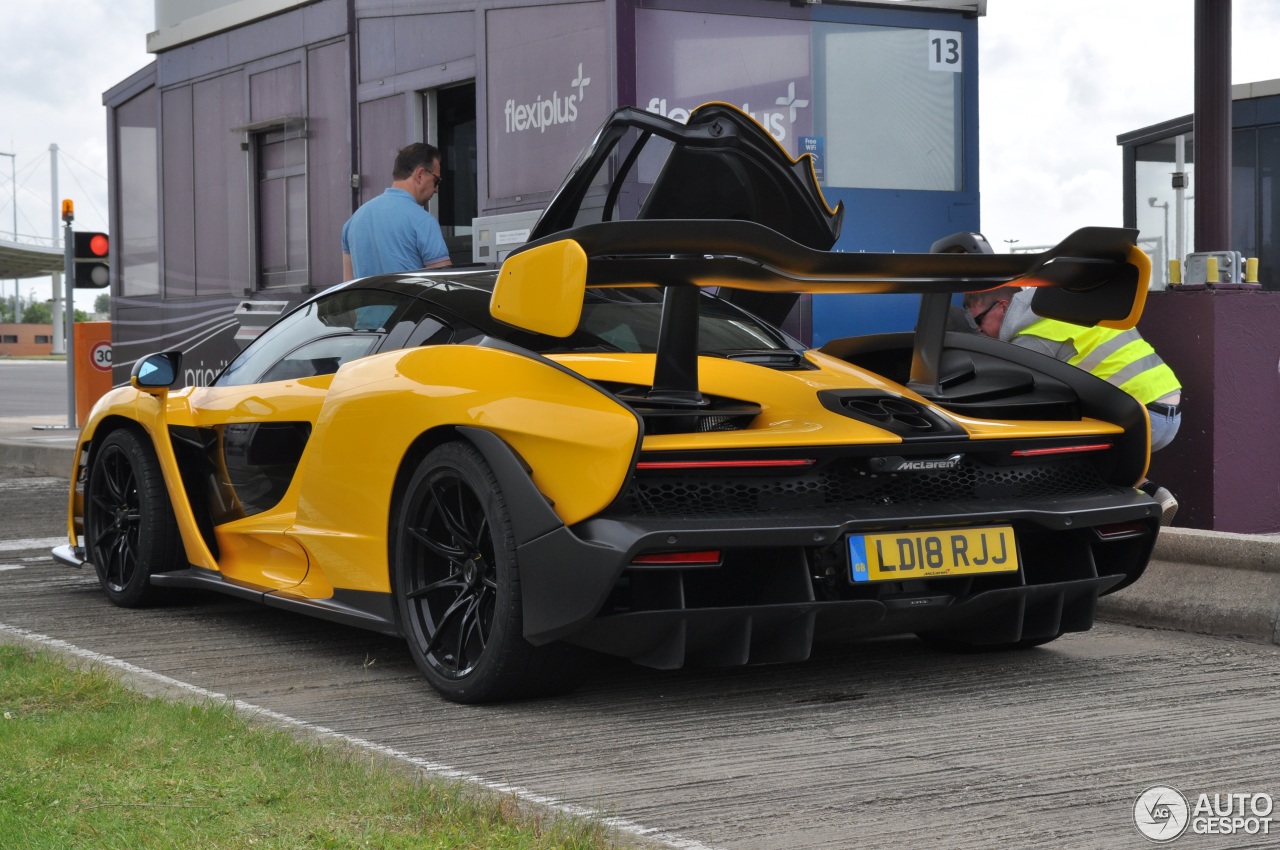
(155, 373)
(541, 289)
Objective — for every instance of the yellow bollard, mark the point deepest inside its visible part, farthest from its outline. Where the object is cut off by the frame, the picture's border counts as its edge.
(1175, 272)
(1251, 270)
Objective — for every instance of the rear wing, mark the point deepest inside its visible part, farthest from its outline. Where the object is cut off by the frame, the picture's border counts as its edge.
(1096, 276)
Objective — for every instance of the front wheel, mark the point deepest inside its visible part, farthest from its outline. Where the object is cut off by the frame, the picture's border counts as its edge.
(129, 528)
(458, 586)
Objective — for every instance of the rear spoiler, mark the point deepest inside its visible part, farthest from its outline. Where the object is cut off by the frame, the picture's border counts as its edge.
(1096, 276)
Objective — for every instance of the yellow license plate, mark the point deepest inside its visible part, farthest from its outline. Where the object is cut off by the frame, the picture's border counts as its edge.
(932, 554)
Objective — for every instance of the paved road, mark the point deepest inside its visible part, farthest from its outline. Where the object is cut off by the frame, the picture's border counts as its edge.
(883, 744)
(34, 388)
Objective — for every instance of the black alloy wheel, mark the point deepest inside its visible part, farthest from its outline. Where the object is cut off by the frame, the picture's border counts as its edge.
(130, 531)
(458, 588)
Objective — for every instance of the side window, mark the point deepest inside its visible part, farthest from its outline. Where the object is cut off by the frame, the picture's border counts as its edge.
(321, 357)
(344, 325)
(429, 331)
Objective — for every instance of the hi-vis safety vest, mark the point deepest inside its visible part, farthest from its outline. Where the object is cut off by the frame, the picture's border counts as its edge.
(1123, 358)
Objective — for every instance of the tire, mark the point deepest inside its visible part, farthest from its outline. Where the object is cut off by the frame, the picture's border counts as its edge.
(457, 586)
(129, 528)
(948, 643)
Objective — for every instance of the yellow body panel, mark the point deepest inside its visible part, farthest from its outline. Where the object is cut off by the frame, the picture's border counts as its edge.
(541, 289)
(578, 441)
(789, 416)
(154, 413)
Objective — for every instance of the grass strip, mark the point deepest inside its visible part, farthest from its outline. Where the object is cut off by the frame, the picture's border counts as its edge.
(88, 763)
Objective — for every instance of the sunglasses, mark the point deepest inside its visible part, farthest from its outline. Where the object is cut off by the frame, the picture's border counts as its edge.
(977, 320)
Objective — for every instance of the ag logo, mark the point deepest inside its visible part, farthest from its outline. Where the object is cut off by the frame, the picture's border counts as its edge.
(1161, 813)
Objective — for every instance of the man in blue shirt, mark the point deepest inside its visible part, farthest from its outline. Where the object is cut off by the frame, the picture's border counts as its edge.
(393, 232)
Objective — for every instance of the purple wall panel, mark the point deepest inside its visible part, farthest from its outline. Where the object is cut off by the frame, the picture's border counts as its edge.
(328, 190)
(547, 92)
(221, 237)
(1224, 465)
(267, 37)
(377, 48)
(684, 59)
(276, 93)
(406, 43)
(382, 133)
(425, 40)
(178, 212)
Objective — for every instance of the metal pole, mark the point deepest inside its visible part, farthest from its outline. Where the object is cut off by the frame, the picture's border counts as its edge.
(69, 272)
(13, 182)
(58, 320)
(1212, 125)
(1180, 198)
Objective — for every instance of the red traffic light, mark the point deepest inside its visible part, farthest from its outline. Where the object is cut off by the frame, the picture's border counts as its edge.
(92, 246)
(91, 251)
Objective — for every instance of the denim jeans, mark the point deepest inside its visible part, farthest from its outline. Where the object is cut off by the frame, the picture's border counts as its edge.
(1163, 428)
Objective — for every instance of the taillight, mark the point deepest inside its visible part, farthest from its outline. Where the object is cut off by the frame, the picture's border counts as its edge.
(704, 558)
(1120, 530)
(724, 464)
(1062, 450)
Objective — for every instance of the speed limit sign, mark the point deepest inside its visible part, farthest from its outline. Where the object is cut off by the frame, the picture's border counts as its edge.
(100, 356)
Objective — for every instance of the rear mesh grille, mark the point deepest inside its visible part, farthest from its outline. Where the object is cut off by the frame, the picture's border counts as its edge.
(846, 483)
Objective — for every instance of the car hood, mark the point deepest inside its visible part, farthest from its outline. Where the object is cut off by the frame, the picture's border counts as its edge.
(720, 164)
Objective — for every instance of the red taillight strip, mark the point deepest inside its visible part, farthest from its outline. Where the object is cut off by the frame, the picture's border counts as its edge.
(722, 464)
(710, 556)
(1062, 450)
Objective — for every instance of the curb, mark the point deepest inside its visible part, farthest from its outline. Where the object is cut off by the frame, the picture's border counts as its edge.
(27, 458)
(1207, 582)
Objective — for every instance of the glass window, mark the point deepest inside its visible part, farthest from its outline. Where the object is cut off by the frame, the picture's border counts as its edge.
(1157, 205)
(889, 106)
(282, 208)
(334, 320)
(1268, 210)
(321, 357)
(137, 195)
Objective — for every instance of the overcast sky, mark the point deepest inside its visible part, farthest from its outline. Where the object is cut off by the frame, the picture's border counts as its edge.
(1060, 79)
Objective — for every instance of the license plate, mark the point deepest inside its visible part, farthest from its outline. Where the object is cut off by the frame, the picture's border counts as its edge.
(932, 554)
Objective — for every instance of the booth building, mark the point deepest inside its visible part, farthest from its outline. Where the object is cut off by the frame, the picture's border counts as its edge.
(1223, 343)
(236, 156)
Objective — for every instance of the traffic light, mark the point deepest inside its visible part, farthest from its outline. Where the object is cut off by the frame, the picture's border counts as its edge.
(92, 251)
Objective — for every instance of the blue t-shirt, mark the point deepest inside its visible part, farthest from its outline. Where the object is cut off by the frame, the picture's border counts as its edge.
(391, 233)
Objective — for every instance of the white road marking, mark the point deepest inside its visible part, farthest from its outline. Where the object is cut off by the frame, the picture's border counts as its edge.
(35, 484)
(32, 543)
(6, 567)
(621, 825)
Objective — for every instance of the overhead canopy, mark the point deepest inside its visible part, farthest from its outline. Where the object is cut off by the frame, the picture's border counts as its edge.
(19, 261)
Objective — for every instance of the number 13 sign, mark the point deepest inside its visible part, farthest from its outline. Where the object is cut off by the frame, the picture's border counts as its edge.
(945, 50)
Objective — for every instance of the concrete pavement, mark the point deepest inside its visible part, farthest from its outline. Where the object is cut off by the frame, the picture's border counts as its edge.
(1214, 583)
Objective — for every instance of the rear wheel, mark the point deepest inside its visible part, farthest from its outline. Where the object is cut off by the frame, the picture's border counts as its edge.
(458, 586)
(129, 528)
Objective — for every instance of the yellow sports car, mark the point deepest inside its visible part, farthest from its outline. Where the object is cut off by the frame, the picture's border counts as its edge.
(586, 450)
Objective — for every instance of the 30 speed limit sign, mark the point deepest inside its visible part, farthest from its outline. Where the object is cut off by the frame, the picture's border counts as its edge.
(100, 356)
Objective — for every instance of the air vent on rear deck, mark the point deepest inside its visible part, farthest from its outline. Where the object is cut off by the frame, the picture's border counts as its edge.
(909, 419)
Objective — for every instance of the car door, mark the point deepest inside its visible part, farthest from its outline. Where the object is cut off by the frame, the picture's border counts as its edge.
(253, 424)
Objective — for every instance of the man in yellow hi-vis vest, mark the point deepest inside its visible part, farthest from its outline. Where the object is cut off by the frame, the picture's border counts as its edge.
(1123, 358)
